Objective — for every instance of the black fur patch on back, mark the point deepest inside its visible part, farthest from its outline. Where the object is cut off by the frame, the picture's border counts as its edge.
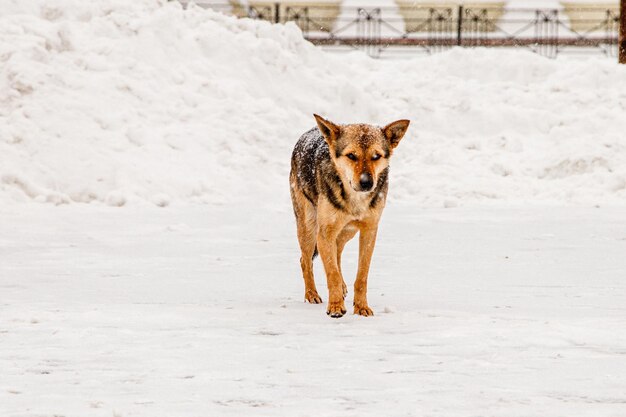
(314, 170)
(304, 165)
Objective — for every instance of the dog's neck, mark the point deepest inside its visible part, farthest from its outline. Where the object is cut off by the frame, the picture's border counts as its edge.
(357, 203)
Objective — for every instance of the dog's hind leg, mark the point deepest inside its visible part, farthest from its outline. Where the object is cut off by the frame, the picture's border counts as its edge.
(307, 230)
(344, 237)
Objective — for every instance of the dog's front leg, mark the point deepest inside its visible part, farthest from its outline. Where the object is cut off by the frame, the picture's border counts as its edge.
(327, 247)
(367, 240)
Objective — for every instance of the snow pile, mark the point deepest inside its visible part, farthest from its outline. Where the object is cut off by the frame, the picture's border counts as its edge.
(119, 102)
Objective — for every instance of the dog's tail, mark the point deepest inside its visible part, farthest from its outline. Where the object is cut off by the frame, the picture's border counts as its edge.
(315, 252)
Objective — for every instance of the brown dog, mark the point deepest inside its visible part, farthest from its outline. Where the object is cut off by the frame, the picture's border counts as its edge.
(339, 181)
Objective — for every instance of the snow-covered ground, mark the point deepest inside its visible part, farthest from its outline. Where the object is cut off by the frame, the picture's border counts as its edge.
(497, 282)
(199, 312)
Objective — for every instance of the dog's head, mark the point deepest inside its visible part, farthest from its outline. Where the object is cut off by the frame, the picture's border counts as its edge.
(361, 152)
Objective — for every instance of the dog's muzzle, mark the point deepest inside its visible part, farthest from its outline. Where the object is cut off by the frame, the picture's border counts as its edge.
(366, 182)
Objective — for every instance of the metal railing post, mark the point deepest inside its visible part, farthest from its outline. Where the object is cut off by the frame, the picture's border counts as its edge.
(622, 33)
(459, 26)
(556, 33)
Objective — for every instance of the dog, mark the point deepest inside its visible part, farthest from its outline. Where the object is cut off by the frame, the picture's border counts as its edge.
(339, 179)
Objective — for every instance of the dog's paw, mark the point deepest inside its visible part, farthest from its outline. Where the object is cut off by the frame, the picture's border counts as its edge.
(336, 310)
(345, 290)
(312, 297)
(363, 310)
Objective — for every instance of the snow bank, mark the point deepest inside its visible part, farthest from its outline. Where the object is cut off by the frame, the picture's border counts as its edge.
(120, 102)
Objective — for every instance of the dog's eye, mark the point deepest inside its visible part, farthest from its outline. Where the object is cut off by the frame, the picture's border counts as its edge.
(351, 156)
(376, 157)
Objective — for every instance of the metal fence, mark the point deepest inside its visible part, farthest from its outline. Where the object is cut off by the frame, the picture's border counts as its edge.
(402, 29)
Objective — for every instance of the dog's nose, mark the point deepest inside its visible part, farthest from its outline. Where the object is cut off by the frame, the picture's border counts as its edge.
(366, 182)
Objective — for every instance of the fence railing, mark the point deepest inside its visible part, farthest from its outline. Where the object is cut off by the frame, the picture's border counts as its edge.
(377, 30)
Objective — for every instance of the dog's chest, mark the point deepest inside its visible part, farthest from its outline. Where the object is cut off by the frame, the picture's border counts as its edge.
(359, 204)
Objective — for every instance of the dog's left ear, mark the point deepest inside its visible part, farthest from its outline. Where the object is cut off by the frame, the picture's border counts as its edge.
(395, 131)
(329, 129)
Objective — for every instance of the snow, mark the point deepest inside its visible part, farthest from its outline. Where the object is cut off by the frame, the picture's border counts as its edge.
(104, 101)
(196, 311)
(148, 259)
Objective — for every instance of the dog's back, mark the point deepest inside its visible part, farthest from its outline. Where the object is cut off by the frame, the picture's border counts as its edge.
(310, 160)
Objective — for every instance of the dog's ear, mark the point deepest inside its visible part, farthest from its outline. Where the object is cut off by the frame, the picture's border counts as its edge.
(395, 131)
(328, 129)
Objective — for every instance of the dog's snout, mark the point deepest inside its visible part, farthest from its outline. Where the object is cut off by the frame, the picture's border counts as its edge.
(366, 182)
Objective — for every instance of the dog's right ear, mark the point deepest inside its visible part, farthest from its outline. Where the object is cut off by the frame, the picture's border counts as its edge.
(328, 129)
